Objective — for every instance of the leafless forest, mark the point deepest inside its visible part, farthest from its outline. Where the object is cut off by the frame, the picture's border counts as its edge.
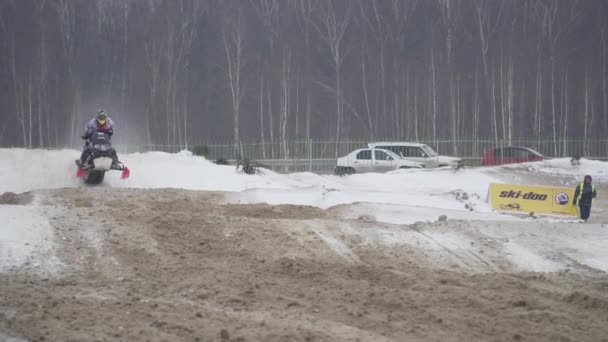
(177, 71)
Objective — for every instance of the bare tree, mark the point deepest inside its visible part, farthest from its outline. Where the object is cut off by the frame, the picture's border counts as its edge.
(538, 103)
(489, 21)
(332, 28)
(476, 108)
(416, 112)
(267, 11)
(262, 116)
(285, 99)
(305, 10)
(450, 18)
(506, 97)
(17, 94)
(387, 22)
(270, 121)
(180, 36)
(433, 95)
(372, 14)
(232, 36)
(42, 80)
(555, 27)
(604, 77)
(587, 111)
(565, 111)
(153, 54)
(368, 111)
(67, 24)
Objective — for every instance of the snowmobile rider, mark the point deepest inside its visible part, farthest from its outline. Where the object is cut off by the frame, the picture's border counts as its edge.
(584, 195)
(101, 123)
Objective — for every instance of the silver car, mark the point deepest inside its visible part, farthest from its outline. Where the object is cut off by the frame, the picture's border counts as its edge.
(372, 160)
(418, 152)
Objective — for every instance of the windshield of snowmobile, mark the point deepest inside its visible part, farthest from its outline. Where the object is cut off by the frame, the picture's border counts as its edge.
(100, 141)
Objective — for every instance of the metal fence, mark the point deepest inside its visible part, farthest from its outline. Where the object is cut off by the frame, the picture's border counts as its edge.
(320, 156)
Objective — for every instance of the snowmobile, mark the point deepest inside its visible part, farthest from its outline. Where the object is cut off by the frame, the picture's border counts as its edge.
(101, 157)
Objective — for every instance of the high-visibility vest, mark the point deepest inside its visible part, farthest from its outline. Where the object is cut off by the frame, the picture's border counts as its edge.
(580, 191)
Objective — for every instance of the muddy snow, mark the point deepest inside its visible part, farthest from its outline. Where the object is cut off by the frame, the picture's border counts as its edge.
(188, 265)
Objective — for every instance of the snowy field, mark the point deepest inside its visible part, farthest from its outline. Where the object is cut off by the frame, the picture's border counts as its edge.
(345, 231)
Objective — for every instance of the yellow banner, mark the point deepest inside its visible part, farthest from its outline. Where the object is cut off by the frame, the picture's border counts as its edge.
(538, 199)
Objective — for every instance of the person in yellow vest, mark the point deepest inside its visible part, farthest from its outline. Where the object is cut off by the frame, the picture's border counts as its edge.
(583, 196)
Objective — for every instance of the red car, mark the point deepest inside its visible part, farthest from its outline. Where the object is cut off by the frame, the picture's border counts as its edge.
(511, 154)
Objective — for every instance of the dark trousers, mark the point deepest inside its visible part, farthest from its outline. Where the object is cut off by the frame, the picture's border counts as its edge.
(585, 210)
(84, 155)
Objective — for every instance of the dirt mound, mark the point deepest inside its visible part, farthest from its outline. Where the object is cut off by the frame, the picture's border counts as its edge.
(183, 265)
(11, 198)
(587, 301)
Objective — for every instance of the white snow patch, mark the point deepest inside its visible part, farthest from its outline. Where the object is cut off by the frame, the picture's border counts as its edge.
(527, 260)
(404, 214)
(563, 167)
(26, 239)
(336, 245)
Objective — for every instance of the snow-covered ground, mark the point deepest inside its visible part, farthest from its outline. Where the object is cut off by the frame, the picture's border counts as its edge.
(399, 197)
(23, 231)
(24, 170)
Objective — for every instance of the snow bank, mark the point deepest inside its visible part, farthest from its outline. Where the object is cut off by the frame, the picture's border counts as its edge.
(563, 167)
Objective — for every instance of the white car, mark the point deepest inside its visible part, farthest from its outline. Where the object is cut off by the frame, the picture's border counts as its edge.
(417, 152)
(372, 160)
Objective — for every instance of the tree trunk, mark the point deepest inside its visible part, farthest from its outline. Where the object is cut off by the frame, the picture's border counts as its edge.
(493, 108)
(415, 113)
(565, 115)
(16, 92)
(366, 94)
(233, 44)
(538, 108)
(434, 96)
(510, 101)
(586, 114)
(476, 108)
(285, 103)
(503, 97)
(262, 116)
(39, 112)
(553, 120)
(270, 123)
(604, 85)
(453, 110)
(30, 113)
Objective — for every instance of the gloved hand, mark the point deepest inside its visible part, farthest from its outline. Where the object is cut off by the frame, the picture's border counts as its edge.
(574, 202)
(86, 135)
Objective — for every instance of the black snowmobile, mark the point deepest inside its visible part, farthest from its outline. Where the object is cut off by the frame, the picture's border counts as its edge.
(101, 157)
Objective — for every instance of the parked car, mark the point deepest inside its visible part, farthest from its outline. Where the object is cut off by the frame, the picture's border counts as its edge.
(510, 154)
(418, 152)
(372, 160)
